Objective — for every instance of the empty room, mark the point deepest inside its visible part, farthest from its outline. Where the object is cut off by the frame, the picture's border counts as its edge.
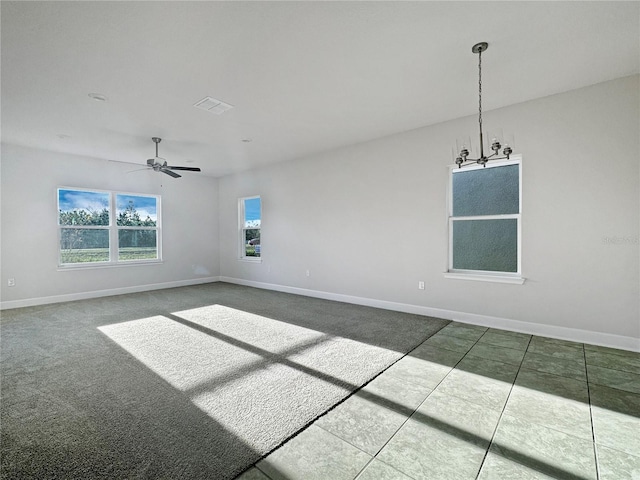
(317, 240)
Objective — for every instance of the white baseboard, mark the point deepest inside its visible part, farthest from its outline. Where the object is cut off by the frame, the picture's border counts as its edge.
(562, 333)
(30, 302)
(552, 331)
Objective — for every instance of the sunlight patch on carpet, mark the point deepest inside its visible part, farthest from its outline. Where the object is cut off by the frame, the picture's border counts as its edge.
(263, 379)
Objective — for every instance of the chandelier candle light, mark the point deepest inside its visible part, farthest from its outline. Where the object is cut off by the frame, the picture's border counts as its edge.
(463, 157)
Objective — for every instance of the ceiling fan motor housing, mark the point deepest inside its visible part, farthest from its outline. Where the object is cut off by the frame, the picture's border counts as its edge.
(159, 164)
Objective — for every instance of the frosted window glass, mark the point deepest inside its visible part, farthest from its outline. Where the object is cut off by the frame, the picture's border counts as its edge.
(486, 191)
(490, 245)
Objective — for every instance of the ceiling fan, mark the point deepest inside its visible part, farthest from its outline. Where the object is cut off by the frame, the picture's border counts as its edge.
(159, 164)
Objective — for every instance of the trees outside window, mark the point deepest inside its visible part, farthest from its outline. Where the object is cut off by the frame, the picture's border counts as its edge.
(249, 227)
(137, 234)
(88, 234)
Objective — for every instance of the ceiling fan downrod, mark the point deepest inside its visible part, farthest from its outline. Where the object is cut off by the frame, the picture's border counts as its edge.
(156, 140)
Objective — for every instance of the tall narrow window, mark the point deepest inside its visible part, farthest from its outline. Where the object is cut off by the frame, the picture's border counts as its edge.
(84, 219)
(249, 220)
(484, 219)
(137, 221)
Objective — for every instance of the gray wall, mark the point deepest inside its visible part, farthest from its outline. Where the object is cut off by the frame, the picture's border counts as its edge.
(30, 179)
(369, 221)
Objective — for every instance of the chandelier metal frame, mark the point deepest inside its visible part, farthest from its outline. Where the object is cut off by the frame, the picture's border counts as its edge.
(463, 160)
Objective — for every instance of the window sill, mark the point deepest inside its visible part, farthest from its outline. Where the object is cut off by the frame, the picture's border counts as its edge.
(91, 266)
(250, 259)
(515, 280)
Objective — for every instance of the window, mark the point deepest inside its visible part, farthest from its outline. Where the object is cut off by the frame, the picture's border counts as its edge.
(137, 222)
(89, 235)
(84, 219)
(249, 220)
(484, 219)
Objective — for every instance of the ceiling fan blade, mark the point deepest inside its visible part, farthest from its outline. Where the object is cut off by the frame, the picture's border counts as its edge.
(122, 161)
(151, 162)
(170, 173)
(188, 169)
(137, 170)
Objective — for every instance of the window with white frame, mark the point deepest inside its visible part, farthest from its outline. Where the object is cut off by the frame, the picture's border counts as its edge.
(102, 227)
(485, 219)
(249, 223)
(137, 224)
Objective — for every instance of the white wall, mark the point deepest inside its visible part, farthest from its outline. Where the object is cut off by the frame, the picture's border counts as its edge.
(369, 221)
(29, 181)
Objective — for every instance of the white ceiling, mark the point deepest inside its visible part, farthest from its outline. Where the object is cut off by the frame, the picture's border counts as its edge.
(304, 77)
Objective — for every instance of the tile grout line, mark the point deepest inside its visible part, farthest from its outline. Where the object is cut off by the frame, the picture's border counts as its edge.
(421, 403)
(414, 410)
(255, 465)
(375, 456)
(351, 444)
(486, 453)
(312, 422)
(559, 376)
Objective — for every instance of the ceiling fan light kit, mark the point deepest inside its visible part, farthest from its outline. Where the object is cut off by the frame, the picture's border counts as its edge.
(159, 164)
(463, 160)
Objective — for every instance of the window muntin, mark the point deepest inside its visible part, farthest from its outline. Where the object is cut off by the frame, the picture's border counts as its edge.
(484, 219)
(88, 234)
(250, 220)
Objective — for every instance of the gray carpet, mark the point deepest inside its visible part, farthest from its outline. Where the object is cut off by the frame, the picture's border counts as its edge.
(194, 382)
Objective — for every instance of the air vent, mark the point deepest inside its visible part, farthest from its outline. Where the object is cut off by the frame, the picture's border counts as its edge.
(212, 105)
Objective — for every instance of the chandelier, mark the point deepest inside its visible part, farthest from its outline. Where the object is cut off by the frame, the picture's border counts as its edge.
(463, 157)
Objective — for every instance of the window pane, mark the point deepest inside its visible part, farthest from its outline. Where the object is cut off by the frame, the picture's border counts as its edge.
(486, 191)
(82, 245)
(252, 242)
(79, 207)
(490, 245)
(252, 212)
(136, 211)
(134, 244)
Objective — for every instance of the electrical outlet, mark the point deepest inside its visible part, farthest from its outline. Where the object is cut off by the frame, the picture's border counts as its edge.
(420, 285)
(11, 282)
(308, 273)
